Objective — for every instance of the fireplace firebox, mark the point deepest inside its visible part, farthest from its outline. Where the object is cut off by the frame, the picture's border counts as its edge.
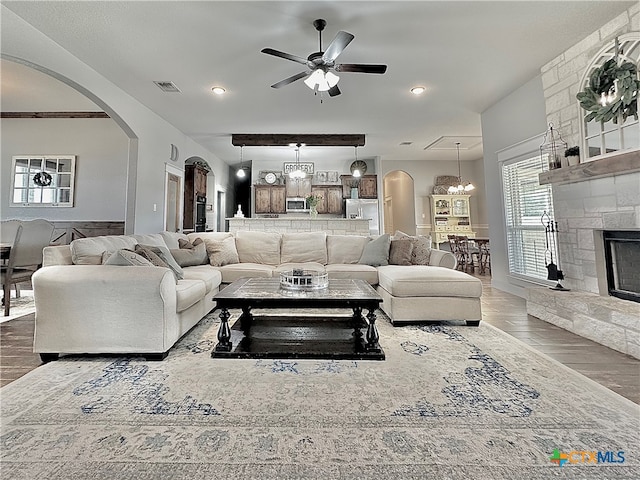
(622, 261)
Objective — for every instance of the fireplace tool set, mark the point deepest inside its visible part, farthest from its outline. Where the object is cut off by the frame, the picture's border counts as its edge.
(550, 235)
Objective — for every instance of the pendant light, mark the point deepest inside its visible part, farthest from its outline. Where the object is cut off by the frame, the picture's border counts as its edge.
(297, 170)
(358, 167)
(460, 188)
(241, 173)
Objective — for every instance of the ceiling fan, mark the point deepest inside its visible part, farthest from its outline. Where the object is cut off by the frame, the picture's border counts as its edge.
(320, 64)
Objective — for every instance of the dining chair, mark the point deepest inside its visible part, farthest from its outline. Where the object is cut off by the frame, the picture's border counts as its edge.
(25, 257)
(468, 253)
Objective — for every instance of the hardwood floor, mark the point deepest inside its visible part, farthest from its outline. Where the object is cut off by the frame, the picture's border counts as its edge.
(614, 370)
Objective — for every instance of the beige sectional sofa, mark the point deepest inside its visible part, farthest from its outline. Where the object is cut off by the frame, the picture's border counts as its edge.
(83, 306)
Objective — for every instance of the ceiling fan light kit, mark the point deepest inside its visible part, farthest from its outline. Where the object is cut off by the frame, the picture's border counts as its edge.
(319, 76)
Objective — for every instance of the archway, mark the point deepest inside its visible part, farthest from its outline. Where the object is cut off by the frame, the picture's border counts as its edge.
(399, 202)
(132, 150)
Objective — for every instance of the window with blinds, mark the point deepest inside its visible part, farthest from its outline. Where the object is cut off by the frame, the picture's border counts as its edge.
(525, 201)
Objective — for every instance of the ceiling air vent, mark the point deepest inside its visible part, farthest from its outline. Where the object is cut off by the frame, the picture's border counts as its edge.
(405, 144)
(167, 87)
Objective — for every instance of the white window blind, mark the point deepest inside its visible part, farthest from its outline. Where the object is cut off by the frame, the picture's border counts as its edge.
(525, 201)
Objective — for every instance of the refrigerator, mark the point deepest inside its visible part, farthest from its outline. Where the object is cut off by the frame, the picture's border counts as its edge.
(364, 209)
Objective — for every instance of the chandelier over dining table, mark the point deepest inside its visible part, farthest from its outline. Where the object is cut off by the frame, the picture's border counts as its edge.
(461, 187)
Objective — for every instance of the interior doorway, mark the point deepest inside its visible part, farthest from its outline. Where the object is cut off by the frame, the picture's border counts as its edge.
(173, 199)
(399, 203)
(221, 226)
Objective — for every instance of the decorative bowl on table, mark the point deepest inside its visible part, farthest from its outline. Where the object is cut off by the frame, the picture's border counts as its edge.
(299, 279)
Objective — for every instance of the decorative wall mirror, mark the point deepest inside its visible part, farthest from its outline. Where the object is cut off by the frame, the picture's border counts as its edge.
(43, 180)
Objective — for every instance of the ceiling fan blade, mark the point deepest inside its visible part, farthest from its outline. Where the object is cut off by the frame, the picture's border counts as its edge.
(290, 79)
(360, 68)
(337, 45)
(287, 56)
(334, 91)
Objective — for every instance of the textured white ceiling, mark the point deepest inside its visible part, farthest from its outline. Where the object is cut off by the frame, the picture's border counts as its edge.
(468, 54)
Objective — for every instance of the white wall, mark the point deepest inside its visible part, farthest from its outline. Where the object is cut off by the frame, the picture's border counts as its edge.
(515, 118)
(150, 135)
(101, 165)
(424, 174)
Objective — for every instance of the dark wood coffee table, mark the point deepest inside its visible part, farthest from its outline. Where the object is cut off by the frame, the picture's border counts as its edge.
(296, 335)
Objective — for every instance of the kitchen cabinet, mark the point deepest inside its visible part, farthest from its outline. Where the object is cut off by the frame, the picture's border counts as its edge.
(298, 187)
(330, 199)
(450, 215)
(270, 199)
(367, 186)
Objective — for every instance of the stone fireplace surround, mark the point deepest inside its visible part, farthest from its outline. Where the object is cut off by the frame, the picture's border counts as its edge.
(585, 206)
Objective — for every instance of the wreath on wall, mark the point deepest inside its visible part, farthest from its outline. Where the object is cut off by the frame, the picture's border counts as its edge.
(608, 78)
(42, 179)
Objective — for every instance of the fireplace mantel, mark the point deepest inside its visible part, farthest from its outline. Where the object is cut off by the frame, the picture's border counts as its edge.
(618, 164)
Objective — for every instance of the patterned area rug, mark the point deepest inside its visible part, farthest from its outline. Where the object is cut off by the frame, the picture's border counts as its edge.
(449, 401)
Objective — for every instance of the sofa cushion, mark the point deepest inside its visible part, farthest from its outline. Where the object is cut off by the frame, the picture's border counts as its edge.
(376, 252)
(211, 236)
(223, 252)
(345, 248)
(313, 266)
(421, 253)
(258, 247)
(400, 252)
(209, 275)
(171, 239)
(427, 281)
(189, 257)
(125, 257)
(188, 293)
(231, 273)
(155, 239)
(88, 251)
(355, 271)
(304, 247)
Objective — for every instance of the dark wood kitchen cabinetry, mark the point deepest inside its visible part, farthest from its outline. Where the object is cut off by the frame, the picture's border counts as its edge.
(330, 199)
(270, 199)
(195, 185)
(367, 186)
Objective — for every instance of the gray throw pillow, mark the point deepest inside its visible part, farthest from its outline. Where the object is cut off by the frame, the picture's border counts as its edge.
(125, 258)
(400, 252)
(191, 256)
(376, 252)
(160, 257)
(421, 253)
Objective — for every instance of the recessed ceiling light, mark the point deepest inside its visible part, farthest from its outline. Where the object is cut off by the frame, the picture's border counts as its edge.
(218, 90)
(418, 90)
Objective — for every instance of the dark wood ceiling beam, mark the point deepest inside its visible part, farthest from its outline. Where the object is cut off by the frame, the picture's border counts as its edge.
(314, 140)
(53, 115)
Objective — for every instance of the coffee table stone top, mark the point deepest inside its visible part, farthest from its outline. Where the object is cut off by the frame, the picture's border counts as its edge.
(269, 289)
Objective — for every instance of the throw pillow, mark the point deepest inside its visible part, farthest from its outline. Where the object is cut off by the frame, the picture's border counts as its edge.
(223, 252)
(421, 253)
(125, 257)
(157, 257)
(400, 252)
(186, 243)
(189, 257)
(376, 252)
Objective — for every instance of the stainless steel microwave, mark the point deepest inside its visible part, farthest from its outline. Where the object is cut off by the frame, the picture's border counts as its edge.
(297, 204)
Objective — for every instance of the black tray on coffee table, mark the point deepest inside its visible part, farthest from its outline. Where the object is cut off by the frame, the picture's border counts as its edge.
(294, 331)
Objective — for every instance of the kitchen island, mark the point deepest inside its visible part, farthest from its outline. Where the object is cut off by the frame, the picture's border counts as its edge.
(331, 225)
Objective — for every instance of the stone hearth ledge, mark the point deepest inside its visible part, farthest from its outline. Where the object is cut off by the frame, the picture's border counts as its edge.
(609, 321)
